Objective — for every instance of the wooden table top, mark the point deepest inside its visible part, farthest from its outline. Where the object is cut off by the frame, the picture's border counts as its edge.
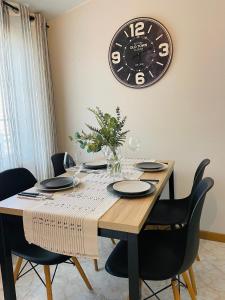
(125, 215)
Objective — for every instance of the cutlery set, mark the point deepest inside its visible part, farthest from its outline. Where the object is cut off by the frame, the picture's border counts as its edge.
(39, 196)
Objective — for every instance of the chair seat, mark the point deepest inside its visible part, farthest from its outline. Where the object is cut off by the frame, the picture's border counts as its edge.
(168, 212)
(28, 251)
(38, 255)
(159, 251)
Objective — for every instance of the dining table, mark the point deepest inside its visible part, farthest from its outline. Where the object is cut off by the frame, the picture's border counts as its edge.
(123, 221)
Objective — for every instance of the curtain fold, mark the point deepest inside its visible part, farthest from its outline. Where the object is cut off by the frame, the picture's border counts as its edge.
(43, 65)
(9, 139)
(27, 130)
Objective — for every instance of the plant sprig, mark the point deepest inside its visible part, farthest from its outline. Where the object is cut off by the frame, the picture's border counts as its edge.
(109, 133)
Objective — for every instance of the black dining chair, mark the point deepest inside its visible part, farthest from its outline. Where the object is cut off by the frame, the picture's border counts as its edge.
(175, 212)
(166, 254)
(58, 162)
(12, 182)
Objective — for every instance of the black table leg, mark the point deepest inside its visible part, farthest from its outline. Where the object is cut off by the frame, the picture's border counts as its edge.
(6, 262)
(133, 267)
(171, 186)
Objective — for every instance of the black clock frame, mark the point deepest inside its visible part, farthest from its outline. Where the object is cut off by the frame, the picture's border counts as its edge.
(165, 31)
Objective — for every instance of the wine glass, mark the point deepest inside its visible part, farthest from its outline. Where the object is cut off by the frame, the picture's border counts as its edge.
(78, 161)
(134, 144)
(68, 164)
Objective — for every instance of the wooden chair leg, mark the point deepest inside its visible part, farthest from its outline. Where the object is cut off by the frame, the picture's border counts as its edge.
(81, 271)
(175, 287)
(17, 268)
(113, 241)
(189, 286)
(96, 265)
(192, 277)
(48, 282)
(198, 258)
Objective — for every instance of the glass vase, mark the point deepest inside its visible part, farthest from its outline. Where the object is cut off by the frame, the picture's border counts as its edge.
(113, 158)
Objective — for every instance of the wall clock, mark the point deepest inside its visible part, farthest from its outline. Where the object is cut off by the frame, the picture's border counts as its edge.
(140, 52)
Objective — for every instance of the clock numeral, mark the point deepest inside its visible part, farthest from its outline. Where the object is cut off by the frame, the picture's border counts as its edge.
(165, 49)
(136, 30)
(140, 78)
(116, 57)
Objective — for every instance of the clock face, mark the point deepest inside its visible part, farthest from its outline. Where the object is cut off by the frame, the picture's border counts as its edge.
(140, 52)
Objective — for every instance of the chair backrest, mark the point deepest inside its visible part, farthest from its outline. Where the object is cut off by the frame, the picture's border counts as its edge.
(57, 162)
(14, 181)
(199, 173)
(197, 178)
(192, 228)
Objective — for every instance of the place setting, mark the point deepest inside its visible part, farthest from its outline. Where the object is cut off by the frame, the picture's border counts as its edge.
(131, 188)
(95, 165)
(73, 168)
(150, 166)
(45, 189)
(57, 184)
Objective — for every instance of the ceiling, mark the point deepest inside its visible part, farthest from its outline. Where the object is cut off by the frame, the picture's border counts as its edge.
(50, 8)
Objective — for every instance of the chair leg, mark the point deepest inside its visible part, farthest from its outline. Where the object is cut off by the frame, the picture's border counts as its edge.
(96, 265)
(175, 287)
(17, 268)
(113, 241)
(189, 286)
(192, 277)
(48, 282)
(81, 271)
(198, 258)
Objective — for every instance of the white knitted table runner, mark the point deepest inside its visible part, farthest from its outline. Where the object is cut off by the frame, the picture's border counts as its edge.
(69, 223)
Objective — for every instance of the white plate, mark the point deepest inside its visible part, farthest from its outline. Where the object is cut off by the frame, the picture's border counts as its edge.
(131, 186)
(164, 166)
(41, 188)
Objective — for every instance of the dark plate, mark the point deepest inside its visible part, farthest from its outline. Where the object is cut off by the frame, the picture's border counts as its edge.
(92, 166)
(57, 182)
(133, 195)
(149, 165)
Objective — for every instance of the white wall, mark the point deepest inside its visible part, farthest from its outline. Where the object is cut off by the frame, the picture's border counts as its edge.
(181, 117)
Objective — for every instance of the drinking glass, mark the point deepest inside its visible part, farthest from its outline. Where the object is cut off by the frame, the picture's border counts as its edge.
(78, 160)
(127, 171)
(68, 164)
(134, 144)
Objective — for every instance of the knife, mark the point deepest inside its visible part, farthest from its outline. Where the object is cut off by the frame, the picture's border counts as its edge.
(153, 180)
(29, 194)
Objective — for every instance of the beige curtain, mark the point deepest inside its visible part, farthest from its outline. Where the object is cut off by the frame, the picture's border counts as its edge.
(27, 131)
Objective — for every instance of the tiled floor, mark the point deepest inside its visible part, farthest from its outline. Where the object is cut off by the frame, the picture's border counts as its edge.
(210, 277)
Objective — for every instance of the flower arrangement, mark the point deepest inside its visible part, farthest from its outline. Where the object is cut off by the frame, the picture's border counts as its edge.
(110, 132)
(109, 135)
